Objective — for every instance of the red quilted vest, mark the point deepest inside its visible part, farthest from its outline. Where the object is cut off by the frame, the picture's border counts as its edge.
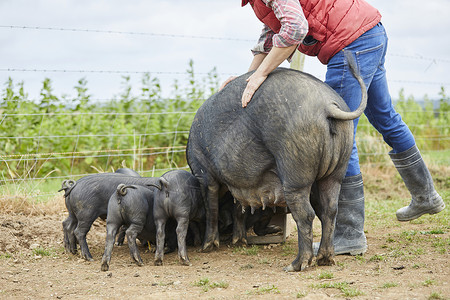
(333, 24)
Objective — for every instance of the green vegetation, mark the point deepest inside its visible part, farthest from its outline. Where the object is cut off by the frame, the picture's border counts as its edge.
(436, 296)
(206, 284)
(428, 125)
(40, 251)
(325, 275)
(344, 287)
(63, 136)
(428, 282)
(270, 289)
(253, 250)
(389, 285)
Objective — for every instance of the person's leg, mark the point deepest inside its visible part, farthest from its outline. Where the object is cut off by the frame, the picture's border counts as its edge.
(405, 155)
(368, 51)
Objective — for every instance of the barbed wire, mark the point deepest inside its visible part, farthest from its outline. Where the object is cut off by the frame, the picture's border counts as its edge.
(92, 156)
(92, 135)
(99, 113)
(100, 71)
(170, 35)
(135, 33)
(177, 73)
(81, 175)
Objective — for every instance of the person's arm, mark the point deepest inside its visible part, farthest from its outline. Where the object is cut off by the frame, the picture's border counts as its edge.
(294, 28)
(268, 63)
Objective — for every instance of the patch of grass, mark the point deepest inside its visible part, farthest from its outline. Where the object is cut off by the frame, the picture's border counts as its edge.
(389, 285)
(44, 252)
(220, 284)
(253, 250)
(436, 296)
(377, 258)
(390, 240)
(441, 245)
(360, 258)
(344, 287)
(397, 253)
(206, 284)
(5, 255)
(428, 282)
(418, 251)
(325, 275)
(301, 294)
(287, 250)
(435, 231)
(270, 289)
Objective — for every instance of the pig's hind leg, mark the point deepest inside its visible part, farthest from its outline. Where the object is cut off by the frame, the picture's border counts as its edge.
(111, 231)
(182, 228)
(160, 239)
(70, 241)
(303, 214)
(132, 231)
(324, 199)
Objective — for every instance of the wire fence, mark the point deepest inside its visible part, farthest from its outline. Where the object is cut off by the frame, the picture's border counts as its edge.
(43, 148)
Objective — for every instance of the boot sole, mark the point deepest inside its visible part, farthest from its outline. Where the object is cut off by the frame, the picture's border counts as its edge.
(353, 251)
(432, 211)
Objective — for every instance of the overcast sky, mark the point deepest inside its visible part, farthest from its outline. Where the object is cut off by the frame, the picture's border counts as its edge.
(166, 36)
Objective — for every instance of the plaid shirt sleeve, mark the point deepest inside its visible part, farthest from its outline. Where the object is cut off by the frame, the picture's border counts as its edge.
(294, 26)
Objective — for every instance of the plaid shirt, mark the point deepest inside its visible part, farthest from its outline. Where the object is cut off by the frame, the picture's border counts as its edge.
(294, 26)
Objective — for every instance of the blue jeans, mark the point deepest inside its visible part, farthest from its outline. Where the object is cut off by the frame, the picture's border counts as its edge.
(369, 51)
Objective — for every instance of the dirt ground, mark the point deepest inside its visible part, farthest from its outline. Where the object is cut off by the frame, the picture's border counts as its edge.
(33, 265)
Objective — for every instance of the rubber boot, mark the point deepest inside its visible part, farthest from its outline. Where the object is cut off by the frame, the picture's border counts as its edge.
(417, 178)
(349, 237)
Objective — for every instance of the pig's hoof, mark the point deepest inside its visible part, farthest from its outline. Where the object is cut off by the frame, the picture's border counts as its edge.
(158, 262)
(289, 268)
(209, 246)
(140, 263)
(105, 267)
(185, 262)
(325, 261)
(239, 242)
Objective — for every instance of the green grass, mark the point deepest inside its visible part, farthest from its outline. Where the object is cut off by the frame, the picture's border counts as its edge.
(301, 294)
(325, 275)
(288, 250)
(5, 255)
(428, 282)
(269, 289)
(40, 251)
(344, 287)
(376, 258)
(388, 285)
(253, 250)
(436, 296)
(206, 284)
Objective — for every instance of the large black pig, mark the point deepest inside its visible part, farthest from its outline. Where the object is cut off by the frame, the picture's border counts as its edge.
(295, 132)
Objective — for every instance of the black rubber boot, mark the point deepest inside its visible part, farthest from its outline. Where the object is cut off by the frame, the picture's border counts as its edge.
(417, 178)
(349, 237)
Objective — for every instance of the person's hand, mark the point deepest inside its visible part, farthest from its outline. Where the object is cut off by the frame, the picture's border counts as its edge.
(253, 83)
(231, 78)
